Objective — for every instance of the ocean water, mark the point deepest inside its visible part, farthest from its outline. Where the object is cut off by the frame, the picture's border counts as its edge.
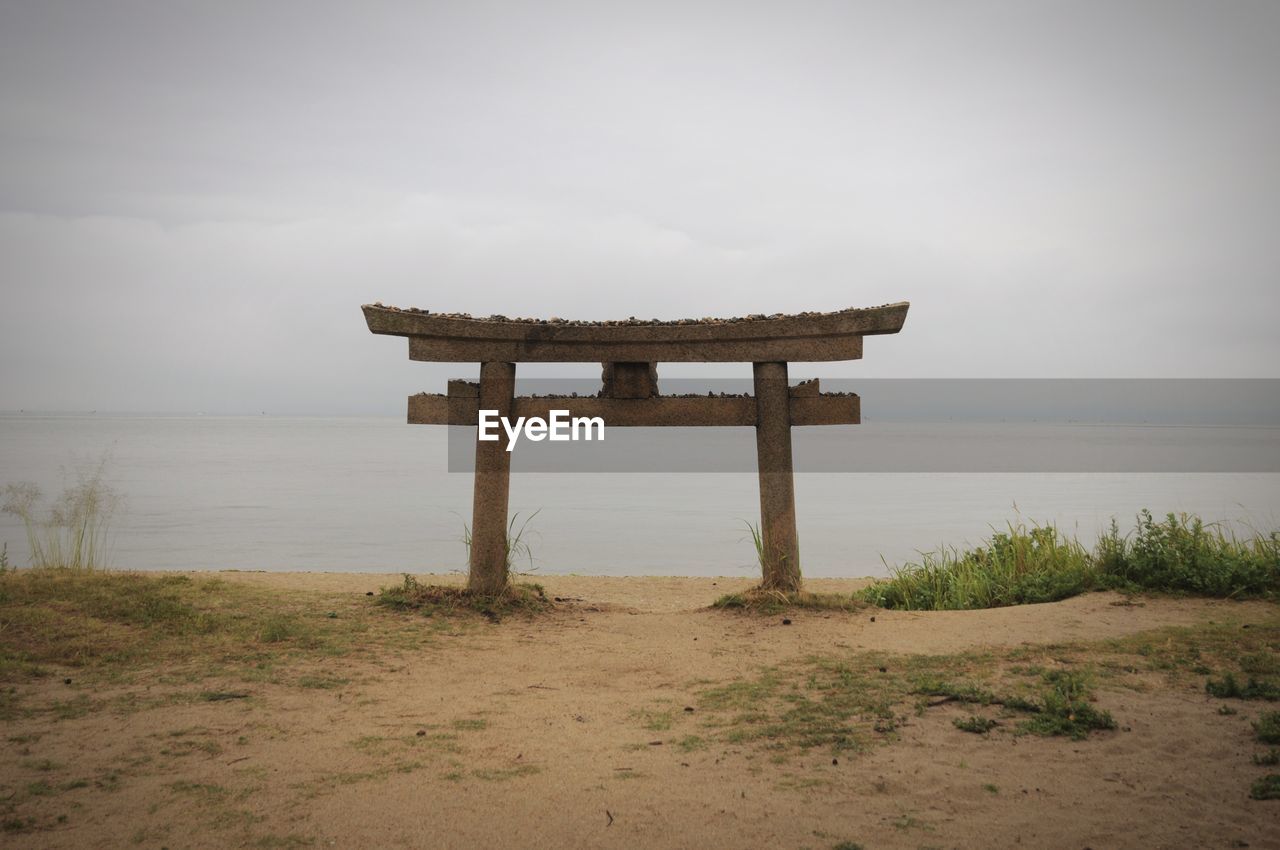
(374, 495)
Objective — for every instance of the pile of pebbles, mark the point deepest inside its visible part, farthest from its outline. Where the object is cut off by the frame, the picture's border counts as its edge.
(630, 322)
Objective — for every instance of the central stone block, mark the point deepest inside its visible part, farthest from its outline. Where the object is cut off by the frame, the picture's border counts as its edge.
(629, 380)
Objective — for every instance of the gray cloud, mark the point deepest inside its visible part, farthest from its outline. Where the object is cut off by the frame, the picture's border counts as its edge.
(194, 199)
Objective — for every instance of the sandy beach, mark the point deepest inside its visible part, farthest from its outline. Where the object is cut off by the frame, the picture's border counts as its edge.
(615, 721)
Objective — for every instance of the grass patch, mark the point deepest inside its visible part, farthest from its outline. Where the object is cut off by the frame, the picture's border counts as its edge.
(1021, 565)
(851, 703)
(1267, 727)
(431, 599)
(1063, 709)
(835, 703)
(203, 791)
(689, 743)
(1066, 709)
(976, 725)
(324, 683)
(654, 720)
(1270, 757)
(1229, 688)
(766, 601)
(113, 622)
(1266, 788)
(502, 774)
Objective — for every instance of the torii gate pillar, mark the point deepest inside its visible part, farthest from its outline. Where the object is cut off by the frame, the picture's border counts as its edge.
(488, 567)
(780, 554)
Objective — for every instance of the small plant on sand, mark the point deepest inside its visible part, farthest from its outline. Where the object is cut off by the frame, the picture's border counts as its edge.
(1066, 710)
(757, 540)
(431, 598)
(1064, 707)
(1229, 688)
(977, 725)
(518, 547)
(1266, 788)
(73, 533)
(1267, 727)
(765, 601)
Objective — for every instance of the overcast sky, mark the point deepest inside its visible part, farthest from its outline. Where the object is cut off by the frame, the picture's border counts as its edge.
(195, 198)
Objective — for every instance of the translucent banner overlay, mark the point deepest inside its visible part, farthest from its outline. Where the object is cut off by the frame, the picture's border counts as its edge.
(911, 425)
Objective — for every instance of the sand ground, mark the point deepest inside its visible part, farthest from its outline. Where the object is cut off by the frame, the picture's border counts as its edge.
(571, 730)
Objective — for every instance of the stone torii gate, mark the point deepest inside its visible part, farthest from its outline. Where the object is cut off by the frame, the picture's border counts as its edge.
(630, 351)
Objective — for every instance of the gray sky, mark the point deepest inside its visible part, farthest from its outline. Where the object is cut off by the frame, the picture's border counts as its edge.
(195, 198)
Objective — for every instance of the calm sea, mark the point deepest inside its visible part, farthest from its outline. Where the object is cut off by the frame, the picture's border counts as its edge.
(373, 494)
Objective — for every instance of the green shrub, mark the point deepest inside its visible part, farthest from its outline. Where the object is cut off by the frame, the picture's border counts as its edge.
(1038, 564)
(1067, 710)
(1266, 788)
(1013, 568)
(1267, 727)
(1229, 688)
(1182, 553)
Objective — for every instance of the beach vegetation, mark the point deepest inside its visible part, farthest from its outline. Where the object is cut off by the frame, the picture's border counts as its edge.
(1067, 709)
(519, 547)
(1229, 688)
(71, 533)
(1062, 708)
(1029, 564)
(1266, 788)
(1017, 566)
(431, 599)
(112, 621)
(1185, 554)
(757, 541)
(1267, 727)
(770, 601)
(975, 724)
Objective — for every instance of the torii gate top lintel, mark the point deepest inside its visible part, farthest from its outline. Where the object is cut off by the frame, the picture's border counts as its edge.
(629, 351)
(805, 337)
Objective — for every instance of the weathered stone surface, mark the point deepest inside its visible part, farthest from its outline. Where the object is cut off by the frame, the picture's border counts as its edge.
(780, 551)
(806, 389)
(805, 337)
(629, 380)
(629, 351)
(488, 572)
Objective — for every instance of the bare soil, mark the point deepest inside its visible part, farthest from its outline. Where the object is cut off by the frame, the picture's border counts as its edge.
(588, 727)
